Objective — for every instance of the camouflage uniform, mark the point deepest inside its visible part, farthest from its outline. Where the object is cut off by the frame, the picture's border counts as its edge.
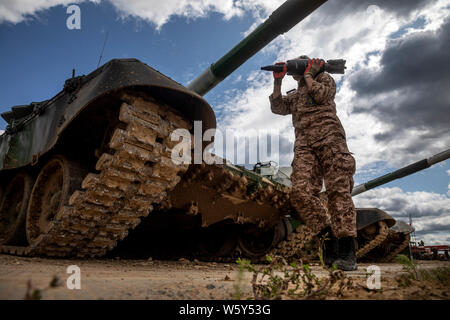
(320, 152)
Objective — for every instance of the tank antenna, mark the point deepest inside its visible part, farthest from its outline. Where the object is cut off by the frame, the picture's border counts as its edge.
(104, 43)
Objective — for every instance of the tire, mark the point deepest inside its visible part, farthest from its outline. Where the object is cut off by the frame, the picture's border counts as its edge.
(13, 207)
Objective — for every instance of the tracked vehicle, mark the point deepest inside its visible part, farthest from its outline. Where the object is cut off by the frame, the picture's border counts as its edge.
(80, 170)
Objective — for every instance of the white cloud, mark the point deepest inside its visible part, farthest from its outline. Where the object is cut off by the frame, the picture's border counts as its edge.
(437, 238)
(435, 15)
(154, 11)
(159, 12)
(16, 11)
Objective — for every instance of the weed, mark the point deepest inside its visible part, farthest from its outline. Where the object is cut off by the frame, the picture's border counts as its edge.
(243, 265)
(440, 275)
(279, 280)
(410, 266)
(36, 293)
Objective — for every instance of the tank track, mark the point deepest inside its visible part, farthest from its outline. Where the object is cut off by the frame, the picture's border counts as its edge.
(301, 243)
(131, 179)
(295, 245)
(383, 232)
(399, 248)
(234, 183)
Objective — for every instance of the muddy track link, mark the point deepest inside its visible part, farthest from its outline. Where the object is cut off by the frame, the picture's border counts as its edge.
(235, 184)
(134, 177)
(383, 232)
(295, 245)
(399, 248)
(299, 242)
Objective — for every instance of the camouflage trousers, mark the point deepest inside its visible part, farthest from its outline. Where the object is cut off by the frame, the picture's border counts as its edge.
(328, 160)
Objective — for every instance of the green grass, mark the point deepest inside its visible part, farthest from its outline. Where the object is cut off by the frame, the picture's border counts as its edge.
(440, 274)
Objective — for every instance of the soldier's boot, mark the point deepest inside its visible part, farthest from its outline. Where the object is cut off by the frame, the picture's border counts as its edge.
(347, 254)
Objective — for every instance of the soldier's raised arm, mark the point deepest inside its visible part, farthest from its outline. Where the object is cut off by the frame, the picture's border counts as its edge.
(279, 104)
(323, 88)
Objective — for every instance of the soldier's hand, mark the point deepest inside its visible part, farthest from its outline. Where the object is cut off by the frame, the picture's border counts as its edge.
(313, 67)
(280, 75)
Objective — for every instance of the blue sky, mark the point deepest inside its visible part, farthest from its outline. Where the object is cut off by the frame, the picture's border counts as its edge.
(42, 52)
(39, 52)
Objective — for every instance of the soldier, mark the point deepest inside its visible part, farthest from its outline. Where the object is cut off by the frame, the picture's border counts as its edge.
(320, 154)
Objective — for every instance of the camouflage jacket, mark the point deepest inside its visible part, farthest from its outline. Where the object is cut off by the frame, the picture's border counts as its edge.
(313, 111)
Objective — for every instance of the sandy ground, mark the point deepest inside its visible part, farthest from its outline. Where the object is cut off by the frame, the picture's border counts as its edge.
(144, 279)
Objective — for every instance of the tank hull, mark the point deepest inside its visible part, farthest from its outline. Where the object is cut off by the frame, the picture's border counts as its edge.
(29, 137)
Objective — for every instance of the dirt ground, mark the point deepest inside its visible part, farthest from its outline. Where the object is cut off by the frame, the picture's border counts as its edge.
(154, 280)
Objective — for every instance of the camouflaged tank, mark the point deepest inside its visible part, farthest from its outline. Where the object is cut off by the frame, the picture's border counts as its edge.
(390, 242)
(82, 169)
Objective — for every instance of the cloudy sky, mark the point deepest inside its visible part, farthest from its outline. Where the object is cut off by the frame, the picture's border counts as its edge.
(394, 100)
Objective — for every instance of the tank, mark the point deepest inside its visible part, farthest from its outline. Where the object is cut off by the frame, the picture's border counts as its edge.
(393, 241)
(82, 169)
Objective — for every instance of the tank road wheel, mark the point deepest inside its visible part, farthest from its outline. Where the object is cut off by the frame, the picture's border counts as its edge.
(255, 243)
(13, 206)
(217, 241)
(55, 183)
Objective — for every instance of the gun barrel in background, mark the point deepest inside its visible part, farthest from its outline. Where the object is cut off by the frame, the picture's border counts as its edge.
(403, 172)
(280, 21)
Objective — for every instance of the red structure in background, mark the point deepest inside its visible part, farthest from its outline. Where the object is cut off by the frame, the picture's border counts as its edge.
(437, 252)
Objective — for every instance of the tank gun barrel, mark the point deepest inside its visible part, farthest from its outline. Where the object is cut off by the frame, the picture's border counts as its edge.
(403, 172)
(280, 21)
